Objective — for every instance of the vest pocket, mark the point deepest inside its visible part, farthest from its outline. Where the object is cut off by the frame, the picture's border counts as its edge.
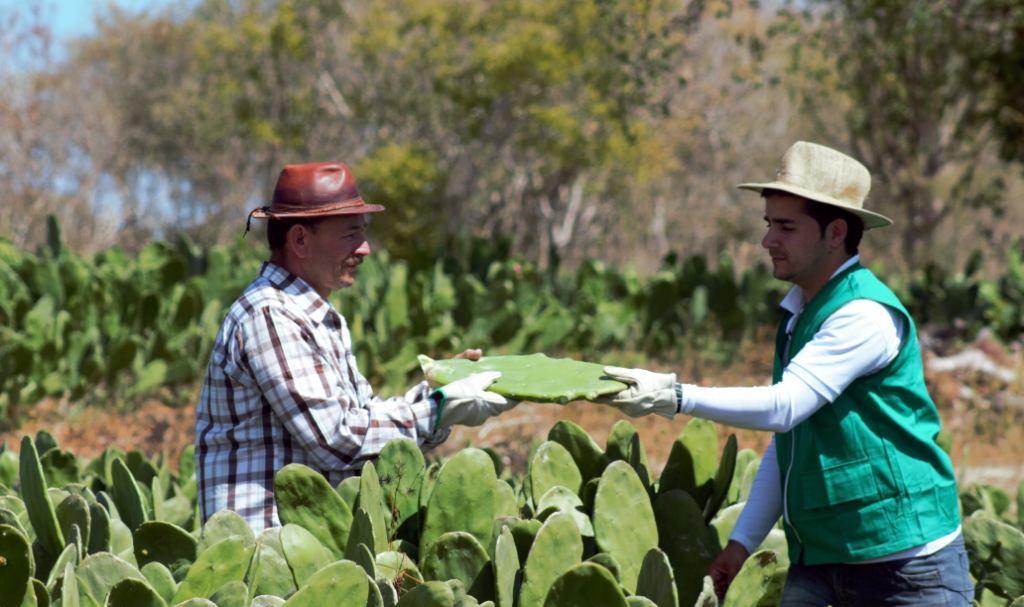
(839, 484)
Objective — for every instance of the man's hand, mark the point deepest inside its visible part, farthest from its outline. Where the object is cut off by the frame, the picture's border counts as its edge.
(467, 401)
(726, 565)
(470, 354)
(647, 392)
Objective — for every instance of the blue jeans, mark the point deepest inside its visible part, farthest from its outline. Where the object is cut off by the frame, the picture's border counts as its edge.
(937, 579)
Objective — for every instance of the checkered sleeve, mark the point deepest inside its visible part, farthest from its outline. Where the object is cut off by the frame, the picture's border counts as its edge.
(313, 392)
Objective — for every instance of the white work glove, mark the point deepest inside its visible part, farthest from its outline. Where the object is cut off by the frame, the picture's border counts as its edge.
(647, 393)
(466, 402)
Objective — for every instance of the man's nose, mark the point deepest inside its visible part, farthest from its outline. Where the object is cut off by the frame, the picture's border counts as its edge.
(364, 249)
(768, 240)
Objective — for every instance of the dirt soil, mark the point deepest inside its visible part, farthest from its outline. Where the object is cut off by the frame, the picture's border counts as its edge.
(983, 414)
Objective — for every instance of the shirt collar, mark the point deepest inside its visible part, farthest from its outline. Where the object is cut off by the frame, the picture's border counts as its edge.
(794, 301)
(305, 296)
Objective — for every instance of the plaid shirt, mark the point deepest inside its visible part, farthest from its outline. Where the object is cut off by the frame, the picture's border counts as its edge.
(282, 388)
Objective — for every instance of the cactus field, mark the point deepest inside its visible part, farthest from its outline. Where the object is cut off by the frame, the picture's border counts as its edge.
(584, 525)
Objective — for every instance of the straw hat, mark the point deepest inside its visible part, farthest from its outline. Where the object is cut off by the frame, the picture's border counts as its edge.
(824, 175)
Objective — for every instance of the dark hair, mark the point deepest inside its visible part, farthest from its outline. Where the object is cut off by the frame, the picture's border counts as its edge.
(825, 214)
(277, 229)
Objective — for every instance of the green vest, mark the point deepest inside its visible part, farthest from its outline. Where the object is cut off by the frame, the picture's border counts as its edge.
(863, 477)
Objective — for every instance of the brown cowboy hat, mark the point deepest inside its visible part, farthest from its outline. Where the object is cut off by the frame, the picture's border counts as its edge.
(319, 189)
(824, 175)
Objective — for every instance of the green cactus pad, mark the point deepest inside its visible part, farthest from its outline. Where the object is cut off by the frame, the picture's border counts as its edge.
(374, 598)
(998, 551)
(159, 577)
(225, 561)
(624, 444)
(430, 594)
(232, 594)
(657, 580)
(557, 547)
(37, 503)
(773, 593)
(127, 496)
(59, 467)
(98, 573)
(776, 540)
(505, 500)
(15, 565)
(553, 466)
(725, 521)
(10, 518)
(590, 459)
(387, 592)
(100, 532)
(156, 541)
(42, 597)
(459, 556)
(394, 565)
(305, 498)
(747, 482)
(401, 462)
(750, 583)
(276, 577)
(640, 601)
(74, 511)
(371, 500)
(348, 490)
(136, 593)
(608, 562)
(120, 537)
(69, 588)
(267, 600)
(743, 459)
(566, 501)
(426, 490)
(362, 532)
(340, 584)
(253, 573)
(197, 602)
(687, 542)
(533, 377)
(585, 585)
(506, 569)
(707, 596)
(223, 525)
(524, 534)
(624, 524)
(303, 552)
(69, 555)
(693, 462)
(723, 478)
(367, 561)
(462, 499)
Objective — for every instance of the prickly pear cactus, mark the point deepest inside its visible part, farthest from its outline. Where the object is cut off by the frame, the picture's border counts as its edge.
(506, 569)
(341, 584)
(127, 494)
(401, 468)
(687, 542)
(232, 594)
(165, 543)
(160, 578)
(223, 525)
(723, 478)
(135, 593)
(725, 521)
(430, 594)
(624, 445)
(693, 461)
(363, 532)
(585, 585)
(553, 466)
(396, 566)
(743, 459)
(225, 561)
(303, 552)
(371, 500)
(98, 574)
(750, 583)
(657, 580)
(305, 498)
(462, 499)
(533, 377)
(557, 547)
(624, 524)
(608, 562)
(998, 551)
(37, 503)
(458, 556)
(15, 566)
(590, 459)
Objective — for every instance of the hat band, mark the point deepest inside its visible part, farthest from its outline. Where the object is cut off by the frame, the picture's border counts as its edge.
(281, 211)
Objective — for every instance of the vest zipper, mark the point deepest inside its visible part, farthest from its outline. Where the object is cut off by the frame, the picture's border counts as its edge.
(785, 490)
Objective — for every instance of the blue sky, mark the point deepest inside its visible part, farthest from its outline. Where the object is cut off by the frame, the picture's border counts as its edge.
(72, 18)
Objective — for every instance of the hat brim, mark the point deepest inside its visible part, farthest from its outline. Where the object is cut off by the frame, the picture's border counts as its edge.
(269, 213)
(871, 220)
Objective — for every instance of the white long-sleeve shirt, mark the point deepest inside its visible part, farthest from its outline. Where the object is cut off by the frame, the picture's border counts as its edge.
(858, 339)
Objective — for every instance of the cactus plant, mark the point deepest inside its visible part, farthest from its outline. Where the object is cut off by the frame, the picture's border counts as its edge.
(750, 583)
(98, 573)
(160, 579)
(687, 542)
(232, 594)
(998, 551)
(304, 497)
(608, 562)
(131, 505)
(401, 463)
(723, 479)
(624, 524)
(552, 466)
(302, 551)
(225, 561)
(40, 510)
(430, 594)
(371, 500)
(363, 532)
(624, 444)
(506, 569)
(395, 566)
(341, 584)
(135, 593)
(459, 556)
(590, 459)
(657, 580)
(223, 525)
(164, 543)
(462, 499)
(558, 546)
(693, 461)
(15, 566)
(585, 585)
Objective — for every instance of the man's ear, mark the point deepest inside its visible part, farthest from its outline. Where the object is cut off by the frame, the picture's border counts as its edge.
(298, 238)
(836, 233)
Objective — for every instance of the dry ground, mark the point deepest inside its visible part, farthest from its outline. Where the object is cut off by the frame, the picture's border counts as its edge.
(989, 420)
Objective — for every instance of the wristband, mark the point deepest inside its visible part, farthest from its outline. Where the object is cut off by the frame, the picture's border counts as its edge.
(679, 398)
(439, 398)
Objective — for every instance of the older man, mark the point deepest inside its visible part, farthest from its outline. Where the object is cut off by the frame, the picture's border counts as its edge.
(868, 500)
(282, 384)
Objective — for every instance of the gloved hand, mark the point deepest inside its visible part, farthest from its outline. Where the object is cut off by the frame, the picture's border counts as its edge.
(647, 393)
(466, 401)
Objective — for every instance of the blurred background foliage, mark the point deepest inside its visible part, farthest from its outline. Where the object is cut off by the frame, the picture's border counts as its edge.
(558, 175)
